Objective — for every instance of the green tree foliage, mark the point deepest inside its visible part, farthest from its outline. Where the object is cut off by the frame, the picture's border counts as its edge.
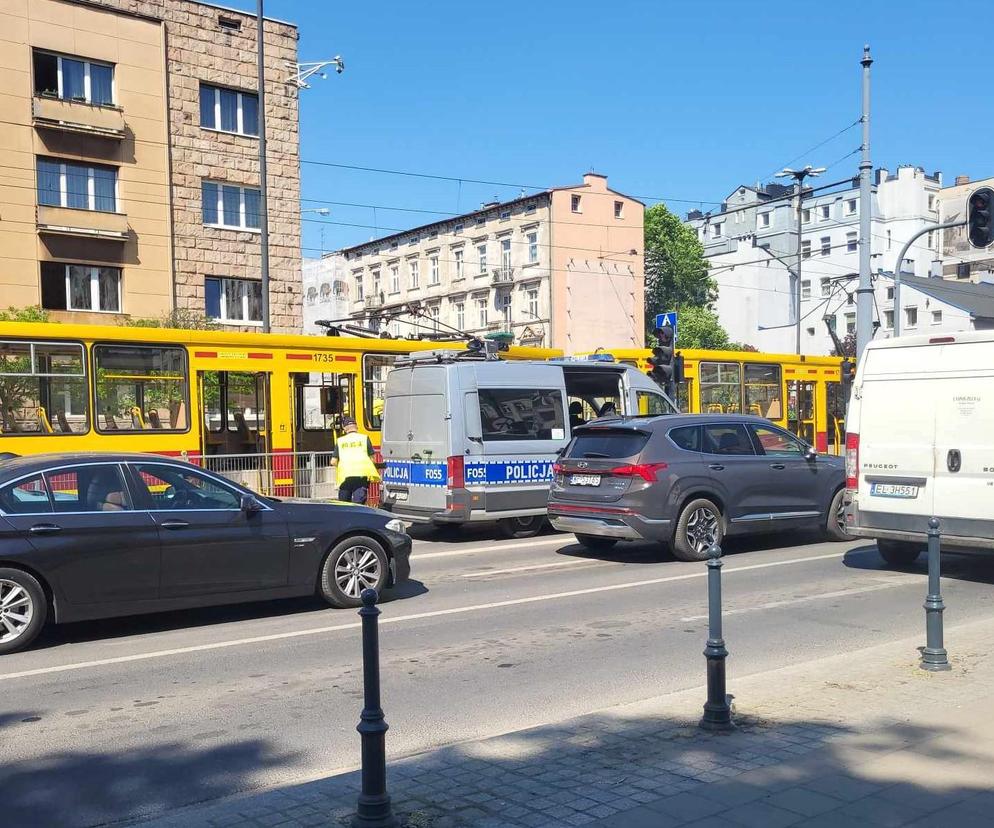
(848, 347)
(32, 313)
(699, 328)
(179, 318)
(676, 273)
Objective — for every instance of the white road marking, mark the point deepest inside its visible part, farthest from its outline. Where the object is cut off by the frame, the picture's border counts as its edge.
(397, 619)
(574, 562)
(842, 593)
(564, 540)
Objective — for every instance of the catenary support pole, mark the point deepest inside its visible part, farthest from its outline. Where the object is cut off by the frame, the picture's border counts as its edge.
(864, 293)
(263, 189)
(934, 656)
(717, 713)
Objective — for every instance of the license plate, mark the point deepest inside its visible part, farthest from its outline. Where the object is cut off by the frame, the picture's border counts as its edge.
(585, 480)
(893, 490)
(399, 495)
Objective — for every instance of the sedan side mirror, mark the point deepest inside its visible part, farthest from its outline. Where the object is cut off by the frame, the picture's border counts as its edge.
(250, 504)
(811, 453)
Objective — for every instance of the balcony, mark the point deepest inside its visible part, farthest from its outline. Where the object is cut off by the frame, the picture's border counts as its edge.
(374, 302)
(86, 224)
(78, 116)
(503, 277)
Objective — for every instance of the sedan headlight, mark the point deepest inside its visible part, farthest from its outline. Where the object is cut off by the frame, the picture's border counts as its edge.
(396, 525)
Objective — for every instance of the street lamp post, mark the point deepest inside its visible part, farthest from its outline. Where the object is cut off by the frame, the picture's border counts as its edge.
(799, 176)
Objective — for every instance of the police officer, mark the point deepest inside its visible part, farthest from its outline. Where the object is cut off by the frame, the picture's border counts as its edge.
(352, 458)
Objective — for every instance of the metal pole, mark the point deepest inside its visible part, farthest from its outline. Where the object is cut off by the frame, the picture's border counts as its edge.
(717, 713)
(864, 293)
(373, 810)
(263, 190)
(900, 261)
(797, 280)
(934, 654)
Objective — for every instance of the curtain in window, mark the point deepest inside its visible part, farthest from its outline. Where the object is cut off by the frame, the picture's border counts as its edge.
(229, 110)
(212, 293)
(73, 79)
(234, 290)
(103, 189)
(254, 301)
(80, 297)
(250, 114)
(110, 289)
(49, 191)
(230, 198)
(101, 84)
(207, 107)
(253, 207)
(208, 193)
(77, 187)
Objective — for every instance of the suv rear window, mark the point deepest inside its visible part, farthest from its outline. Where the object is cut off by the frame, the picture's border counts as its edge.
(608, 444)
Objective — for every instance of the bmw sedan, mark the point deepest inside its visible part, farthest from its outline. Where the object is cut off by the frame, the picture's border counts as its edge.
(87, 536)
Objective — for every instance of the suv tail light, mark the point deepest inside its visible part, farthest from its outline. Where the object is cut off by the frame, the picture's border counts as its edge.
(852, 461)
(558, 468)
(647, 471)
(456, 467)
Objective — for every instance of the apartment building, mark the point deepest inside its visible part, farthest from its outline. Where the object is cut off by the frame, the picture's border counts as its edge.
(751, 245)
(326, 291)
(960, 260)
(560, 268)
(129, 166)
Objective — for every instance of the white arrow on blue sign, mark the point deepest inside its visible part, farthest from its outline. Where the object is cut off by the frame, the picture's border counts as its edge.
(667, 319)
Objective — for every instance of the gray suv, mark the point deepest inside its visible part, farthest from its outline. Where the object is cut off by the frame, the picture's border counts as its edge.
(688, 480)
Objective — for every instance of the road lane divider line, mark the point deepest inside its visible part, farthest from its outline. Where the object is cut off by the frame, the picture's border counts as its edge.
(512, 570)
(397, 619)
(566, 540)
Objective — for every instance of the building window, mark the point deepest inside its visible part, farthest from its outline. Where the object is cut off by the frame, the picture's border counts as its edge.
(910, 317)
(376, 283)
(889, 320)
(937, 317)
(481, 310)
(457, 256)
(433, 270)
(619, 209)
(806, 215)
(532, 247)
(806, 249)
(530, 208)
(505, 310)
(80, 287)
(825, 211)
(73, 79)
(963, 270)
(505, 254)
(457, 229)
(231, 207)
(831, 322)
(460, 315)
(414, 270)
(890, 293)
(851, 207)
(716, 230)
(433, 315)
(234, 300)
(929, 243)
(805, 288)
(931, 201)
(505, 215)
(394, 279)
(852, 243)
(888, 239)
(80, 186)
(826, 287)
(764, 219)
(532, 298)
(574, 203)
(360, 287)
(481, 252)
(228, 110)
(850, 323)
(826, 245)
(481, 219)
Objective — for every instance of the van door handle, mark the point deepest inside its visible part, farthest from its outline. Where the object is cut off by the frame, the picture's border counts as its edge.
(716, 467)
(777, 466)
(953, 460)
(44, 529)
(174, 524)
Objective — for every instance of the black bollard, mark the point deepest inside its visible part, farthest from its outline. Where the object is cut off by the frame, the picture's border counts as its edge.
(373, 810)
(934, 654)
(717, 713)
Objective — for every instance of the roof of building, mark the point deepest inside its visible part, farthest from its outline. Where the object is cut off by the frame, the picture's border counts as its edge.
(975, 299)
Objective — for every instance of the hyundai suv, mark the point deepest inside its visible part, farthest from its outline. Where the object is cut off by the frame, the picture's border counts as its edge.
(689, 480)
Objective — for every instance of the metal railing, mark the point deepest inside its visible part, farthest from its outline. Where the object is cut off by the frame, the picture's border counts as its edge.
(503, 276)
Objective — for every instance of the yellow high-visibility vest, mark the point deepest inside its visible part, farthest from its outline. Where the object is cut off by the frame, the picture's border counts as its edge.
(353, 459)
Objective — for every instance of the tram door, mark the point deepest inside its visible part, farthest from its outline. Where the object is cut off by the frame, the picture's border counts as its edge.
(320, 402)
(835, 405)
(801, 409)
(235, 412)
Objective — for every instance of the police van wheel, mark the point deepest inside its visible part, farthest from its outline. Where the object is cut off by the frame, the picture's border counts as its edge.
(521, 527)
(354, 564)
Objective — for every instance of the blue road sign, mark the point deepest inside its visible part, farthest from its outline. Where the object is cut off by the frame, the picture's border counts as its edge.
(667, 319)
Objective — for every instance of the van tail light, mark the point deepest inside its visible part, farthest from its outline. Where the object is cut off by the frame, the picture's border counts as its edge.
(852, 461)
(647, 471)
(456, 472)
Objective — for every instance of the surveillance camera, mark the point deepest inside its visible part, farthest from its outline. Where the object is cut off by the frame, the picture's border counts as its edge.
(341, 68)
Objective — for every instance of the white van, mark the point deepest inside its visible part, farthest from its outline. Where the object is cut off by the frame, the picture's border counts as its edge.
(470, 439)
(920, 443)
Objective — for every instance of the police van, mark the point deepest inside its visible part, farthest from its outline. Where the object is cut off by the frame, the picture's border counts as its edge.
(467, 438)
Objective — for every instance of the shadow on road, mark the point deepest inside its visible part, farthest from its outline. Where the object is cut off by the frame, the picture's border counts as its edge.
(961, 565)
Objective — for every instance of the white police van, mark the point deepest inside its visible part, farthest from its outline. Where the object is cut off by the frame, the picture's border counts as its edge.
(466, 438)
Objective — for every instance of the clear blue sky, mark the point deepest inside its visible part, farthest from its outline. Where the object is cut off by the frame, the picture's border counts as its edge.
(674, 100)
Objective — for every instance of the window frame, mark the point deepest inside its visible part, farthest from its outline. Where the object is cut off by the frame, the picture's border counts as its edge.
(575, 203)
(739, 426)
(94, 275)
(88, 63)
(219, 207)
(532, 238)
(83, 377)
(458, 256)
(934, 320)
(826, 249)
(908, 310)
(93, 387)
(434, 271)
(414, 274)
(852, 242)
(129, 495)
(760, 449)
(481, 255)
(223, 316)
(557, 393)
(240, 111)
(149, 504)
(91, 193)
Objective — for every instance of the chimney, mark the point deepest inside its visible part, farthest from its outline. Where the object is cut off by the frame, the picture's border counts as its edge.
(595, 180)
(962, 179)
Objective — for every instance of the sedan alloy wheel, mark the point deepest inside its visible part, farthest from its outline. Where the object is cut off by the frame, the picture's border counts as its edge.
(357, 569)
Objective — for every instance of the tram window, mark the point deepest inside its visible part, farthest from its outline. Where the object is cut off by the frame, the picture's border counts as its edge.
(42, 389)
(140, 388)
(721, 387)
(763, 394)
(375, 368)
(245, 403)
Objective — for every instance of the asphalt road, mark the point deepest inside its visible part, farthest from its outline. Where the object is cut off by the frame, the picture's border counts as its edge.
(109, 720)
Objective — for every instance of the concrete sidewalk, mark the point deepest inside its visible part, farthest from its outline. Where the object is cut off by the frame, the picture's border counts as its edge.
(861, 739)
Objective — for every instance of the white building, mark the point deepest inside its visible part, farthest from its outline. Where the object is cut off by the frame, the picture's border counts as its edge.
(325, 290)
(751, 246)
(960, 260)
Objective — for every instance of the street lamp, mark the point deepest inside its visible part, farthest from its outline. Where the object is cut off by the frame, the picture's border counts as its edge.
(321, 211)
(799, 176)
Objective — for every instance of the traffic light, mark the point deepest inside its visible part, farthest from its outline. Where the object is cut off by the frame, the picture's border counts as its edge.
(981, 231)
(667, 365)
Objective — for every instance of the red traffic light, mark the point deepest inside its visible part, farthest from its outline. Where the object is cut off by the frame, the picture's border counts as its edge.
(979, 228)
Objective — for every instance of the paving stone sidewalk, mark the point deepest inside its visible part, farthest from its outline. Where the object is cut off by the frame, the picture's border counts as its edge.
(861, 739)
